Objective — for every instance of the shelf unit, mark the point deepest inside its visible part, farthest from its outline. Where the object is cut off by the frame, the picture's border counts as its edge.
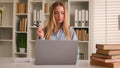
(20, 28)
(34, 5)
(79, 20)
(13, 29)
(6, 29)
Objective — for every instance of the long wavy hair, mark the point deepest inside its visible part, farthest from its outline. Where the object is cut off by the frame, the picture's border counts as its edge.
(52, 23)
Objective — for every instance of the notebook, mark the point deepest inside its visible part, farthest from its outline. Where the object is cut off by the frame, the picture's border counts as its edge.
(55, 52)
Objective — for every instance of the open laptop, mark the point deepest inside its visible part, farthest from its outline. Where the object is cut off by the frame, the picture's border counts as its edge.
(56, 52)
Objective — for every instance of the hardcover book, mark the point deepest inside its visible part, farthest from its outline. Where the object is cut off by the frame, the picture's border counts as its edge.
(108, 46)
(106, 56)
(105, 60)
(98, 63)
(108, 52)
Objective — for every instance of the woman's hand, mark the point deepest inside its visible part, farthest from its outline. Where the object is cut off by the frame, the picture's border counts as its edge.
(40, 32)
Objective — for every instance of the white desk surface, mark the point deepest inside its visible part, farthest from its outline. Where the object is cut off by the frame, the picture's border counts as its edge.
(9, 63)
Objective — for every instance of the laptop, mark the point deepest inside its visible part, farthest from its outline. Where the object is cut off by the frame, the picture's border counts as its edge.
(55, 52)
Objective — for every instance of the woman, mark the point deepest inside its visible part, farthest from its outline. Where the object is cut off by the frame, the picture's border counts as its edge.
(57, 27)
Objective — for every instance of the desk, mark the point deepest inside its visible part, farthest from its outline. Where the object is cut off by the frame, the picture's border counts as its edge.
(9, 63)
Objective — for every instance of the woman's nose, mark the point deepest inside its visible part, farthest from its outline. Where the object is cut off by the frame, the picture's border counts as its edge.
(59, 15)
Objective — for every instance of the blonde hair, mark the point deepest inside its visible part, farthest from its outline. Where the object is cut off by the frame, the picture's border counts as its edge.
(52, 23)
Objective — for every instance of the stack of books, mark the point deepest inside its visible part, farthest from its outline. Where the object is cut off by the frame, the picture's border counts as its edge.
(82, 34)
(107, 55)
(21, 8)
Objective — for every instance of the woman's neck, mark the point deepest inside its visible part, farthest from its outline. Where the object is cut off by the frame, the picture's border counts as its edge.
(57, 28)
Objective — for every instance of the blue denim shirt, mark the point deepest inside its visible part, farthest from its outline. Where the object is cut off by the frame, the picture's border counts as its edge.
(61, 36)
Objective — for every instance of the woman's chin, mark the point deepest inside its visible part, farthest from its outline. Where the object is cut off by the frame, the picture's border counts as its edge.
(59, 22)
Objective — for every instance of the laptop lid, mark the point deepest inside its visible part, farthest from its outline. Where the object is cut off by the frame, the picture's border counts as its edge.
(56, 52)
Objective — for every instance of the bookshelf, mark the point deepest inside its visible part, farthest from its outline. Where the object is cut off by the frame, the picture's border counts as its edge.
(21, 21)
(20, 28)
(35, 15)
(78, 18)
(6, 28)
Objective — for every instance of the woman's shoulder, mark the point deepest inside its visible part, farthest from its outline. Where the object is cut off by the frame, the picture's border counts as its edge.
(73, 34)
(71, 29)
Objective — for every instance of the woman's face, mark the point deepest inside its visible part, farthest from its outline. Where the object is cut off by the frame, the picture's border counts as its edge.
(59, 14)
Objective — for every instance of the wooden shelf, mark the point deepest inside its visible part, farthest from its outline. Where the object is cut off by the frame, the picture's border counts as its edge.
(21, 32)
(5, 40)
(6, 1)
(83, 41)
(20, 53)
(80, 27)
(19, 14)
(6, 27)
(35, 1)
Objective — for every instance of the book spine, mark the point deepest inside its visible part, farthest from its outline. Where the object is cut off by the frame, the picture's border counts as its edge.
(46, 7)
(25, 24)
(1, 11)
(17, 7)
(77, 34)
(108, 46)
(79, 17)
(83, 18)
(41, 18)
(108, 52)
(34, 17)
(98, 63)
(86, 17)
(0, 19)
(105, 60)
(80, 35)
(76, 17)
(102, 56)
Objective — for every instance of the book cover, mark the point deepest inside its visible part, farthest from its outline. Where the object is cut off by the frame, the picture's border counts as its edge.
(0, 19)
(108, 52)
(80, 35)
(86, 17)
(41, 18)
(98, 63)
(1, 11)
(76, 31)
(25, 27)
(34, 17)
(22, 24)
(76, 17)
(17, 7)
(38, 16)
(105, 60)
(46, 7)
(108, 46)
(80, 16)
(106, 56)
(83, 17)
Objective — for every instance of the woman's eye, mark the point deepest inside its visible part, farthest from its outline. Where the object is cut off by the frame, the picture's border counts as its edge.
(55, 12)
(58, 13)
(62, 12)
